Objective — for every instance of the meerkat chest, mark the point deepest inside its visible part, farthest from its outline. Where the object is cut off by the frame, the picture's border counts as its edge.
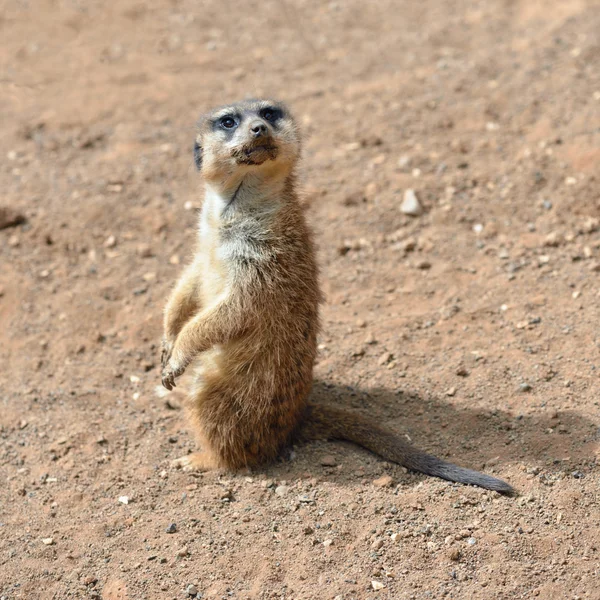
(213, 262)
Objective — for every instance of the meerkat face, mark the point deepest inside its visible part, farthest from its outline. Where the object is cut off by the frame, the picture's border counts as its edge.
(250, 136)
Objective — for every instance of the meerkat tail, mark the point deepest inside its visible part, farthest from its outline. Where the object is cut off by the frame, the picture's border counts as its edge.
(335, 423)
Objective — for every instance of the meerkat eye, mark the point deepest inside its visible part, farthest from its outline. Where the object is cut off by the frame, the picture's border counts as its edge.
(227, 122)
(270, 114)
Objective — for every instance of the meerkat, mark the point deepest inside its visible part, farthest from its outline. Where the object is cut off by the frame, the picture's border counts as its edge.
(245, 312)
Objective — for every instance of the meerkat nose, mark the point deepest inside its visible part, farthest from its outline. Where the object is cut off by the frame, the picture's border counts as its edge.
(258, 129)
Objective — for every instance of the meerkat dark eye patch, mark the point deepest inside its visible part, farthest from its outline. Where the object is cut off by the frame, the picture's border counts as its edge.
(197, 155)
(271, 114)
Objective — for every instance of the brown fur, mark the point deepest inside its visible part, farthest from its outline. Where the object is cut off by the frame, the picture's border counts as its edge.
(245, 312)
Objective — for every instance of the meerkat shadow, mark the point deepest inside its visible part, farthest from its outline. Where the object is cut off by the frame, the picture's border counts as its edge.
(544, 443)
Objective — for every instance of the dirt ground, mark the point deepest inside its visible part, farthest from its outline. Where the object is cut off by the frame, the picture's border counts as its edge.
(472, 328)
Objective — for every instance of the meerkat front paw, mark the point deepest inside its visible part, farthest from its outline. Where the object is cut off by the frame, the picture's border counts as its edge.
(165, 353)
(169, 374)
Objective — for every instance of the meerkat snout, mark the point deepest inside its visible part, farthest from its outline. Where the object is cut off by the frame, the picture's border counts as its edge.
(259, 129)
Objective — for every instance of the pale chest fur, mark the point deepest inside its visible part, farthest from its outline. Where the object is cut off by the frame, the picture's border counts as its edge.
(211, 254)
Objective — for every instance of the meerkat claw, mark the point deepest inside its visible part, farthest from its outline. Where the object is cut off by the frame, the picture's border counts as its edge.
(169, 374)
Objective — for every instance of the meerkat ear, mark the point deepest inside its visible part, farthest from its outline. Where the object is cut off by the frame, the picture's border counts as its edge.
(197, 155)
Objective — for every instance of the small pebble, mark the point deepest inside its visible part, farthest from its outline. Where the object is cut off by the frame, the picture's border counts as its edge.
(377, 585)
(110, 242)
(385, 358)
(172, 528)
(525, 387)
(48, 541)
(410, 205)
(382, 482)
(328, 461)
(454, 554)
(282, 490)
(191, 590)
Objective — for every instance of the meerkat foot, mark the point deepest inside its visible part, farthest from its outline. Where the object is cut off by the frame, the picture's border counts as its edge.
(198, 461)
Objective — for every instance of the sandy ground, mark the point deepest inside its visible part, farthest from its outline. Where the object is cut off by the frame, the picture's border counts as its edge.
(472, 328)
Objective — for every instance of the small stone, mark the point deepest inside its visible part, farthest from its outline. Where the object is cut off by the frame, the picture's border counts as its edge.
(404, 162)
(124, 499)
(306, 498)
(110, 241)
(451, 392)
(454, 554)
(48, 541)
(471, 541)
(328, 461)
(410, 205)
(525, 387)
(183, 552)
(377, 544)
(462, 372)
(382, 482)
(191, 590)
(385, 358)
(308, 530)
(226, 495)
(328, 543)
(395, 537)
(553, 239)
(89, 580)
(377, 585)
(282, 490)
(424, 265)
(172, 528)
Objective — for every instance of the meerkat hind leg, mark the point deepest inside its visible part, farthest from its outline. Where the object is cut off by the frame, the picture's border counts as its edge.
(197, 461)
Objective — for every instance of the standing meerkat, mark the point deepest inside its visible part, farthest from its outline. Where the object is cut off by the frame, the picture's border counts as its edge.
(245, 311)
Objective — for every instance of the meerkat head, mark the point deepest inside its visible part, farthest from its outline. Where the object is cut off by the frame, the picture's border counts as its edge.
(253, 136)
